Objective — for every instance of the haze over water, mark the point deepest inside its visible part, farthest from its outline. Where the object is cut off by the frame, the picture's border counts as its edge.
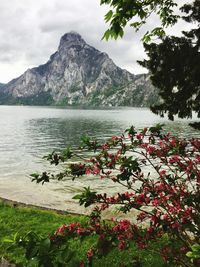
(29, 133)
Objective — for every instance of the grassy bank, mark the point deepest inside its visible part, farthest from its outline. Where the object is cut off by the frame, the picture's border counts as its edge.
(23, 220)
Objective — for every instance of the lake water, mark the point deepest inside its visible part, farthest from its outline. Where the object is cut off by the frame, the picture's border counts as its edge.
(29, 133)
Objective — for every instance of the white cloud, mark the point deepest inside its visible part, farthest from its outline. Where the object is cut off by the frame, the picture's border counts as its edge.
(30, 32)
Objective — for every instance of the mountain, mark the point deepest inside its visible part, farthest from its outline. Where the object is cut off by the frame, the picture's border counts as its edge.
(78, 74)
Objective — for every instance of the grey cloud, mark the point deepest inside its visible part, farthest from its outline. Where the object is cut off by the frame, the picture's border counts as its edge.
(30, 32)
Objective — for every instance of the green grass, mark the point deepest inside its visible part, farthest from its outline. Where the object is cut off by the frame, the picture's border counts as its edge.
(23, 220)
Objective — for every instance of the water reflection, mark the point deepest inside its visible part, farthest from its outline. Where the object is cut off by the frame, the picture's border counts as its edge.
(56, 132)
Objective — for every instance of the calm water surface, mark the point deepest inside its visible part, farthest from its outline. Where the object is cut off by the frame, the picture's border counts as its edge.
(29, 133)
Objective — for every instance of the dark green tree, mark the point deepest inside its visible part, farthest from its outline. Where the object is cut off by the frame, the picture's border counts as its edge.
(173, 62)
(174, 65)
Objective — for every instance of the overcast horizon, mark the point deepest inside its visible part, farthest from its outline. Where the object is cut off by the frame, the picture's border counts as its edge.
(30, 33)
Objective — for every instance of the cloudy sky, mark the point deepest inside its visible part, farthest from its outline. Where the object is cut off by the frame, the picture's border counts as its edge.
(30, 32)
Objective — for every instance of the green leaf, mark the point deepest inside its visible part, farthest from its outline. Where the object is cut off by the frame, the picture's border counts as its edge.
(34, 175)
(189, 254)
(106, 35)
(121, 33)
(7, 240)
(67, 153)
(108, 15)
(146, 38)
(158, 31)
(77, 196)
(196, 248)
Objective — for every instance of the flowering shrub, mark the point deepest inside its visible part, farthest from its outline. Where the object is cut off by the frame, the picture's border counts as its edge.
(161, 177)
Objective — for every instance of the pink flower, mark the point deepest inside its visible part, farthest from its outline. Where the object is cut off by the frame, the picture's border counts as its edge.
(105, 146)
(116, 138)
(87, 171)
(166, 217)
(61, 229)
(122, 245)
(120, 237)
(144, 145)
(197, 157)
(173, 142)
(79, 231)
(162, 172)
(128, 195)
(72, 226)
(175, 225)
(90, 253)
(151, 149)
(139, 136)
(96, 171)
(162, 144)
(155, 202)
(140, 199)
(174, 159)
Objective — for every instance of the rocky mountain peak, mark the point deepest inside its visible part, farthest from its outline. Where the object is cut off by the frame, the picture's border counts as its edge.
(70, 39)
(76, 74)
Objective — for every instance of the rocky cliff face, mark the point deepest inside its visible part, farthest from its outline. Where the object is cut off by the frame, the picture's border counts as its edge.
(77, 74)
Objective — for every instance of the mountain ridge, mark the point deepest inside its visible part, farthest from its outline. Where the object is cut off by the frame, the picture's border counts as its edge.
(76, 74)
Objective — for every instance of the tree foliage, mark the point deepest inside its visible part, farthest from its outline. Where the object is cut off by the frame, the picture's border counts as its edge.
(136, 13)
(175, 69)
(173, 62)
